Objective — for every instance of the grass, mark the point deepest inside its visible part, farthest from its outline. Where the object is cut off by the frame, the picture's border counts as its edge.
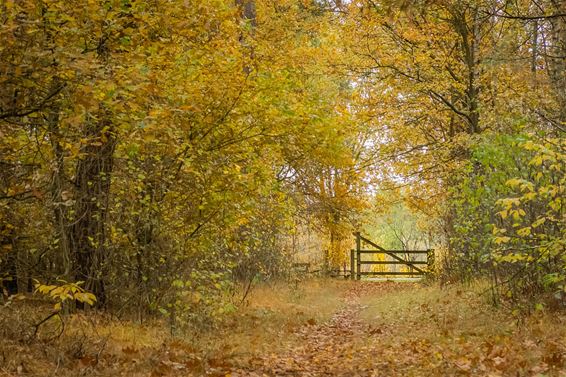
(95, 344)
(272, 315)
(412, 330)
(453, 307)
(455, 331)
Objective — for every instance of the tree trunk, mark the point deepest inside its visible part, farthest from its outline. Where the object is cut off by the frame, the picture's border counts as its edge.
(59, 194)
(556, 59)
(88, 233)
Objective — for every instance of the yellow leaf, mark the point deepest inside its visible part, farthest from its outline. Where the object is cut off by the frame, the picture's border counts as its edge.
(500, 240)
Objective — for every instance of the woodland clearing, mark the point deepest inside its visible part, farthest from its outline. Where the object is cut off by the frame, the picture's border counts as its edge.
(315, 328)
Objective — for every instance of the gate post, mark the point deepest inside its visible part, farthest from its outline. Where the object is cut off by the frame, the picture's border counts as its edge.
(358, 255)
(352, 265)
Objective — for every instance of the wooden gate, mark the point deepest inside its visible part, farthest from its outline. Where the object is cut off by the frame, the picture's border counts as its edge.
(400, 257)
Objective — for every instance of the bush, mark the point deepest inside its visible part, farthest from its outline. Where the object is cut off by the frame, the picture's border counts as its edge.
(507, 213)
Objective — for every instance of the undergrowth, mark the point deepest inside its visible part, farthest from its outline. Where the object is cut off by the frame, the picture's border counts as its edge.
(93, 343)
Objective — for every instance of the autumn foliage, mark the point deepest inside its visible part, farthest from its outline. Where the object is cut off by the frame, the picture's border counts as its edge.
(160, 159)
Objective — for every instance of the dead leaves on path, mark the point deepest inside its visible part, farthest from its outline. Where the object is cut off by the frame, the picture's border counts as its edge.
(325, 349)
(346, 346)
(408, 338)
(335, 348)
(426, 338)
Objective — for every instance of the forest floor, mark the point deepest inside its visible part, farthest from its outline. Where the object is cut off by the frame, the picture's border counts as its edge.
(314, 328)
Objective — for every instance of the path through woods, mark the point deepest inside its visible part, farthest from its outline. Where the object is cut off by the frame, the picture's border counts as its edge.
(328, 349)
(318, 328)
(389, 329)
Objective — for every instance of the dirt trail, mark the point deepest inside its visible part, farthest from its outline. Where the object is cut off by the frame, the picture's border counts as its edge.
(378, 329)
(436, 335)
(333, 348)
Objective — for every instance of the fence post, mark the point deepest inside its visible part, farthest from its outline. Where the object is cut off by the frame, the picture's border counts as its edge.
(352, 264)
(358, 255)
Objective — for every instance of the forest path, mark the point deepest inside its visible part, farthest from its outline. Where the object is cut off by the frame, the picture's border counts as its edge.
(337, 347)
(407, 329)
(321, 328)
